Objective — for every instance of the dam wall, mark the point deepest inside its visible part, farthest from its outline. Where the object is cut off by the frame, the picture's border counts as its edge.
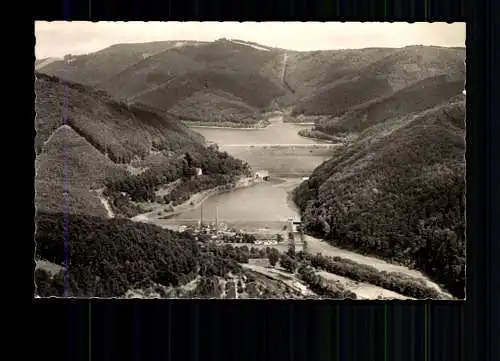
(281, 150)
(282, 160)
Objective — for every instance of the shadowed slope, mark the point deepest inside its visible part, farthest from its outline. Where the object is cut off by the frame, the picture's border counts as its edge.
(113, 128)
(241, 76)
(95, 68)
(417, 97)
(99, 134)
(373, 73)
(66, 170)
(398, 192)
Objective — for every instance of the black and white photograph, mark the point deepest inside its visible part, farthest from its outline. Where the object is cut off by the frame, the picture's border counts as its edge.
(245, 160)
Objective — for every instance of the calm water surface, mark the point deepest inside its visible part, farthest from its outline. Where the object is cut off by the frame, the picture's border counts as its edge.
(265, 205)
(276, 133)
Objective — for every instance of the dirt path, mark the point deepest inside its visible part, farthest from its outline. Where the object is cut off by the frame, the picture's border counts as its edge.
(283, 70)
(193, 202)
(250, 45)
(258, 126)
(105, 203)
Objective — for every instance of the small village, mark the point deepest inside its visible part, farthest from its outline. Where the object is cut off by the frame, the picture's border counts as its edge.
(220, 233)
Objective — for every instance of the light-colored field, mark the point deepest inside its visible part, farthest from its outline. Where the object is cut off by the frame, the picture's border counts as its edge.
(48, 267)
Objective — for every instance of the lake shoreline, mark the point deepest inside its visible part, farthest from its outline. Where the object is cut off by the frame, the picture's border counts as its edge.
(262, 124)
(194, 201)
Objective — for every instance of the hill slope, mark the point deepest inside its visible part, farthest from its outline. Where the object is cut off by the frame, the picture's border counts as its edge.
(415, 98)
(94, 68)
(247, 78)
(113, 128)
(86, 140)
(355, 77)
(398, 192)
(70, 165)
(40, 63)
(214, 74)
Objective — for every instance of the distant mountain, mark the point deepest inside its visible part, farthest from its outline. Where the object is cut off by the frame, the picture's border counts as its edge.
(398, 192)
(219, 75)
(40, 63)
(417, 97)
(211, 77)
(87, 141)
(94, 68)
(352, 77)
(196, 80)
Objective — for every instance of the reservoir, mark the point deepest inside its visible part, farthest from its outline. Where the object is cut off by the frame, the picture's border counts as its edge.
(267, 205)
(278, 149)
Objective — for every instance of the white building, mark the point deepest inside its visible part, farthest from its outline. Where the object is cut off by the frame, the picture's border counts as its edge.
(262, 174)
(199, 172)
(293, 224)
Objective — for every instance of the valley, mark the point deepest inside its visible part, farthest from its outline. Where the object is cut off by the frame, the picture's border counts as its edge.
(364, 146)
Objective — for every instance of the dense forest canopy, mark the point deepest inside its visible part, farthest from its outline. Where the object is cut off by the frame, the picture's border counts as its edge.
(397, 193)
(86, 140)
(105, 258)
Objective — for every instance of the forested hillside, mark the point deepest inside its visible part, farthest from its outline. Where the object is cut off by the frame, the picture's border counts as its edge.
(415, 98)
(86, 141)
(354, 77)
(196, 81)
(121, 258)
(206, 76)
(398, 192)
(95, 68)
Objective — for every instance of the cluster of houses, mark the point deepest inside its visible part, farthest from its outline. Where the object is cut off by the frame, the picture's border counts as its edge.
(220, 234)
(266, 240)
(213, 229)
